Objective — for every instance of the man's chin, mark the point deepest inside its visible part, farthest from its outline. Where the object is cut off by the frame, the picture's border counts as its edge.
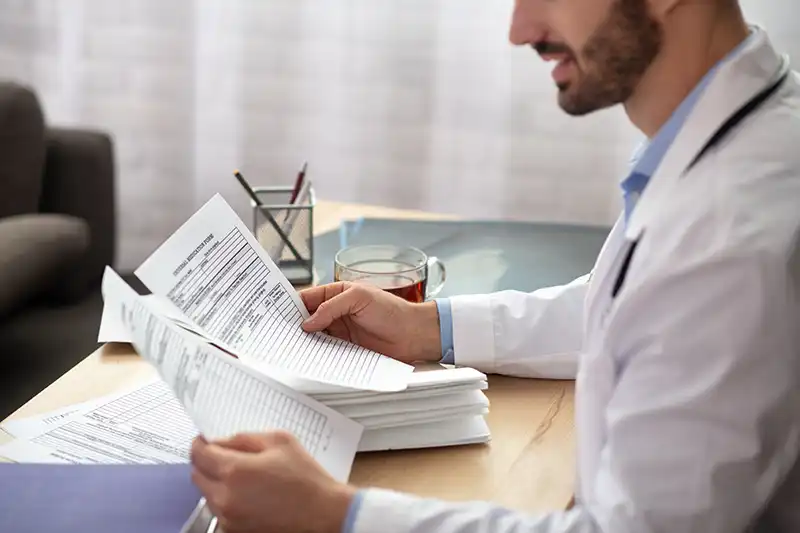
(573, 106)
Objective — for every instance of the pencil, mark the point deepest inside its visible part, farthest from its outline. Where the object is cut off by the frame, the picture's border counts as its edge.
(298, 183)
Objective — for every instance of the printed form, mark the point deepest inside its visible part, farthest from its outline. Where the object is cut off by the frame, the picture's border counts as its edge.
(34, 425)
(214, 271)
(223, 396)
(113, 330)
(145, 425)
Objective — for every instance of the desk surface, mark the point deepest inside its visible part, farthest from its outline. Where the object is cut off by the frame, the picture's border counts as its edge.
(529, 464)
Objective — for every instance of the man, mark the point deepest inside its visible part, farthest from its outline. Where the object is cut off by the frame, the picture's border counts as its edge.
(688, 389)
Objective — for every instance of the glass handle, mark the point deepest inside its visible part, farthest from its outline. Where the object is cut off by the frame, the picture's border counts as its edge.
(434, 264)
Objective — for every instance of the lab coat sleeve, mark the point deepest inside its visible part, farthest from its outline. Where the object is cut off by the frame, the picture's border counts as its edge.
(701, 428)
(535, 335)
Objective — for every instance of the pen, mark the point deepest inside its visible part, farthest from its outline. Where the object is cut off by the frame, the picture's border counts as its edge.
(299, 182)
(270, 218)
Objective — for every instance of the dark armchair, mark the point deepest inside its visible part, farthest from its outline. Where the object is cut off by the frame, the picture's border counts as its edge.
(57, 233)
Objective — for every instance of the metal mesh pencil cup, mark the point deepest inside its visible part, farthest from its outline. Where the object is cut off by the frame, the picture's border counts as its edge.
(293, 254)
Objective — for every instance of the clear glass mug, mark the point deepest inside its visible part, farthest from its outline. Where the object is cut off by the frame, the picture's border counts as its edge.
(404, 271)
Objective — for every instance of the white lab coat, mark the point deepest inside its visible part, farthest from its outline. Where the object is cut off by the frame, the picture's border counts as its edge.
(688, 389)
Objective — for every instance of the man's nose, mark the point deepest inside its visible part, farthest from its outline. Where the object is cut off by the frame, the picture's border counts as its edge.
(527, 22)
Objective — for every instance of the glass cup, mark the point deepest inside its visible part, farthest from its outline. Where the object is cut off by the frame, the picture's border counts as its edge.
(404, 271)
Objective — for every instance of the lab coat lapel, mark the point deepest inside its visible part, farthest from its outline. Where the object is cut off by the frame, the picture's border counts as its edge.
(735, 83)
(600, 285)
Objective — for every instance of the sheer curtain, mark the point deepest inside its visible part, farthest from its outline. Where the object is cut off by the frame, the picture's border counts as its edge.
(407, 103)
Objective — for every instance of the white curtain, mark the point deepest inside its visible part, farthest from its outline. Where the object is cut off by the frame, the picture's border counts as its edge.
(407, 103)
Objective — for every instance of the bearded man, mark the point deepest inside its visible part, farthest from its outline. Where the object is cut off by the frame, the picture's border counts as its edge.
(684, 339)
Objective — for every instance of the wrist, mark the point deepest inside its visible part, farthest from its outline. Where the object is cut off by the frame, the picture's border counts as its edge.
(426, 338)
(338, 505)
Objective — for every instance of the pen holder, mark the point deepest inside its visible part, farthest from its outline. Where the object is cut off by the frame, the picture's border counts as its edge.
(292, 248)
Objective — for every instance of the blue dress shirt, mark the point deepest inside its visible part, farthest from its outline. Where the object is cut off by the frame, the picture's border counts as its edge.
(446, 330)
(645, 162)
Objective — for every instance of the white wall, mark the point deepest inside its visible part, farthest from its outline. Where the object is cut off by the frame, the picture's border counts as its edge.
(409, 103)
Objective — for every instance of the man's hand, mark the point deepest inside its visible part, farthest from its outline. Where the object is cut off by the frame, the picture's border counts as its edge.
(375, 319)
(264, 483)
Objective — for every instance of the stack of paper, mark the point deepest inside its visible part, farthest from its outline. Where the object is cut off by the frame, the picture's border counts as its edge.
(440, 407)
(223, 329)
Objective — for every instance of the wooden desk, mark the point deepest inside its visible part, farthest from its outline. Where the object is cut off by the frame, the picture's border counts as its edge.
(529, 464)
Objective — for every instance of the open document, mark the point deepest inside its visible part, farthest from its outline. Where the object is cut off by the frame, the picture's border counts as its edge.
(215, 273)
(112, 329)
(221, 395)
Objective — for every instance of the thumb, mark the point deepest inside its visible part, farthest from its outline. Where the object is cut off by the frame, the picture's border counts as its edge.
(346, 303)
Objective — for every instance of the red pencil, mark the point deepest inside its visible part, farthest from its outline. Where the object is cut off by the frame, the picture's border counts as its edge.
(299, 182)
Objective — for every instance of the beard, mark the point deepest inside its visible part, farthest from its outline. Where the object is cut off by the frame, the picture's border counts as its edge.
(614, 59)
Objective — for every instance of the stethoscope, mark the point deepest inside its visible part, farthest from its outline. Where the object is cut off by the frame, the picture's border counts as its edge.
(734, 120)
(746, 110)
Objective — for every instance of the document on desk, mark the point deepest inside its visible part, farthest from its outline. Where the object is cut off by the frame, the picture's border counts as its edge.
(143, 425)
(224, 396)
(214, 271)
(34, 425)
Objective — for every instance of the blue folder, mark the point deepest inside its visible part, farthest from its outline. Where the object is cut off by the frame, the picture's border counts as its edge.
(37, 498)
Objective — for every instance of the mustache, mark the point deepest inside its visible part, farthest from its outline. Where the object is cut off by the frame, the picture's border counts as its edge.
(547, 47)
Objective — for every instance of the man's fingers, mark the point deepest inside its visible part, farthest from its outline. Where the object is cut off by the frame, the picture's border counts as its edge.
(211, 460)
(209, 488)
(278, 438)
(249, 443)
(313, 297)
(343, 304)
(244, 442)
(218, 499)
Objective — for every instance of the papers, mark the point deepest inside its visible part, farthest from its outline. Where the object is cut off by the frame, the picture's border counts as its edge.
(223, 396)
(213, 271)
(112, 328)
(408, 409)
(97, 432)
(132, 399)
(145, 425)
(422, 383)
(223, 328)
(442, 407)
(458, 431)
(432, 412)
(27, 427)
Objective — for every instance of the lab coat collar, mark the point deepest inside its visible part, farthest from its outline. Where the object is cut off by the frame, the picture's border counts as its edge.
(736, 82)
